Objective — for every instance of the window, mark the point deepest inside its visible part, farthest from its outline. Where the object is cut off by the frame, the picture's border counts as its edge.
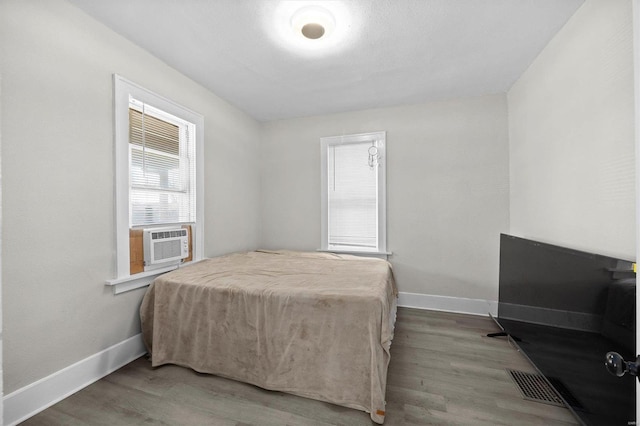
(354, 193)
(158, 172)
(162, 165)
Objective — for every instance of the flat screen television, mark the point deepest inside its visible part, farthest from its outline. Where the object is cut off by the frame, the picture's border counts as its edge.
(565, 309)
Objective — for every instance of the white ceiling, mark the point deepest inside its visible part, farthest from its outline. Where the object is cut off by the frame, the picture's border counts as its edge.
(393, 51)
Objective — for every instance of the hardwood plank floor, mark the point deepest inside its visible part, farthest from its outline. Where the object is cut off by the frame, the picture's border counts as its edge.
(443, 371)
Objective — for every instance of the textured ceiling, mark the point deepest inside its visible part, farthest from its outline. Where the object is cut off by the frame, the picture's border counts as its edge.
(390, 52)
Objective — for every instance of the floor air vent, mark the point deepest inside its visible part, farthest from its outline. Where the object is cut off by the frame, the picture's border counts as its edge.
(565, 393)
(535, 388)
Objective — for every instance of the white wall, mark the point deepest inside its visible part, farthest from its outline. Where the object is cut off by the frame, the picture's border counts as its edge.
(571, 130)
(57, 197)
(447, 185)
(1, 351)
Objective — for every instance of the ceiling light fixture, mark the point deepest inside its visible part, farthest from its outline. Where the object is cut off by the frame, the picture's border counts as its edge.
(312, 28)
(313, 23)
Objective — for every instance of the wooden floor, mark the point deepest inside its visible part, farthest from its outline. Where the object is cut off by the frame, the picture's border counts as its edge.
(443, 371)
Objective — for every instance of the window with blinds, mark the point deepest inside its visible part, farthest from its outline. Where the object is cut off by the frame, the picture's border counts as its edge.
(162, 167)
(354, 193)
(158, 179)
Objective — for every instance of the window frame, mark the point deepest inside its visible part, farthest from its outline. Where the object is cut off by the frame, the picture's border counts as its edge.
(325, 143)
(123, 89)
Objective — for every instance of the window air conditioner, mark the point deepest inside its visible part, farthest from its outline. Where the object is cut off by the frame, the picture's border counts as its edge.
(164, 247)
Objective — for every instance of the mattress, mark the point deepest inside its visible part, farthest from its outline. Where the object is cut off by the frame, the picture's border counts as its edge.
(318, 325)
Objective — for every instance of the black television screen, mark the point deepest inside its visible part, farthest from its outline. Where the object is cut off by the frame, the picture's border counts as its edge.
(566, 309)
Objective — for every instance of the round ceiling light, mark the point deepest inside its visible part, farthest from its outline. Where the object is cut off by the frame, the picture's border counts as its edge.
(313, 23)
(312, 27)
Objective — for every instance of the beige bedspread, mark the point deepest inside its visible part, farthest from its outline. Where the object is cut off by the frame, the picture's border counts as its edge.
(317, 325)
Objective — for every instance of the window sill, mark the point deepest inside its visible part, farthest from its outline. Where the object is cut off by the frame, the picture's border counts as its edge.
(132, 282)
(379, 254)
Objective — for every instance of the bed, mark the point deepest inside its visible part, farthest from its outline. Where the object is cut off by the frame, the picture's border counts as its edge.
(318, 325)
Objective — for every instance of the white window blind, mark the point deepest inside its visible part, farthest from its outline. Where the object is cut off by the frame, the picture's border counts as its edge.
(162, 167)
(352, 197)
(353, 193)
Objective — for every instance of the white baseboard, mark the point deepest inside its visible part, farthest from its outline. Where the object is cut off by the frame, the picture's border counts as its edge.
(448, 304)
(33, 398)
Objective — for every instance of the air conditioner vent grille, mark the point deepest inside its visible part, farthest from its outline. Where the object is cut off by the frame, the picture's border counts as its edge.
(168, 234)
(166, 250)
